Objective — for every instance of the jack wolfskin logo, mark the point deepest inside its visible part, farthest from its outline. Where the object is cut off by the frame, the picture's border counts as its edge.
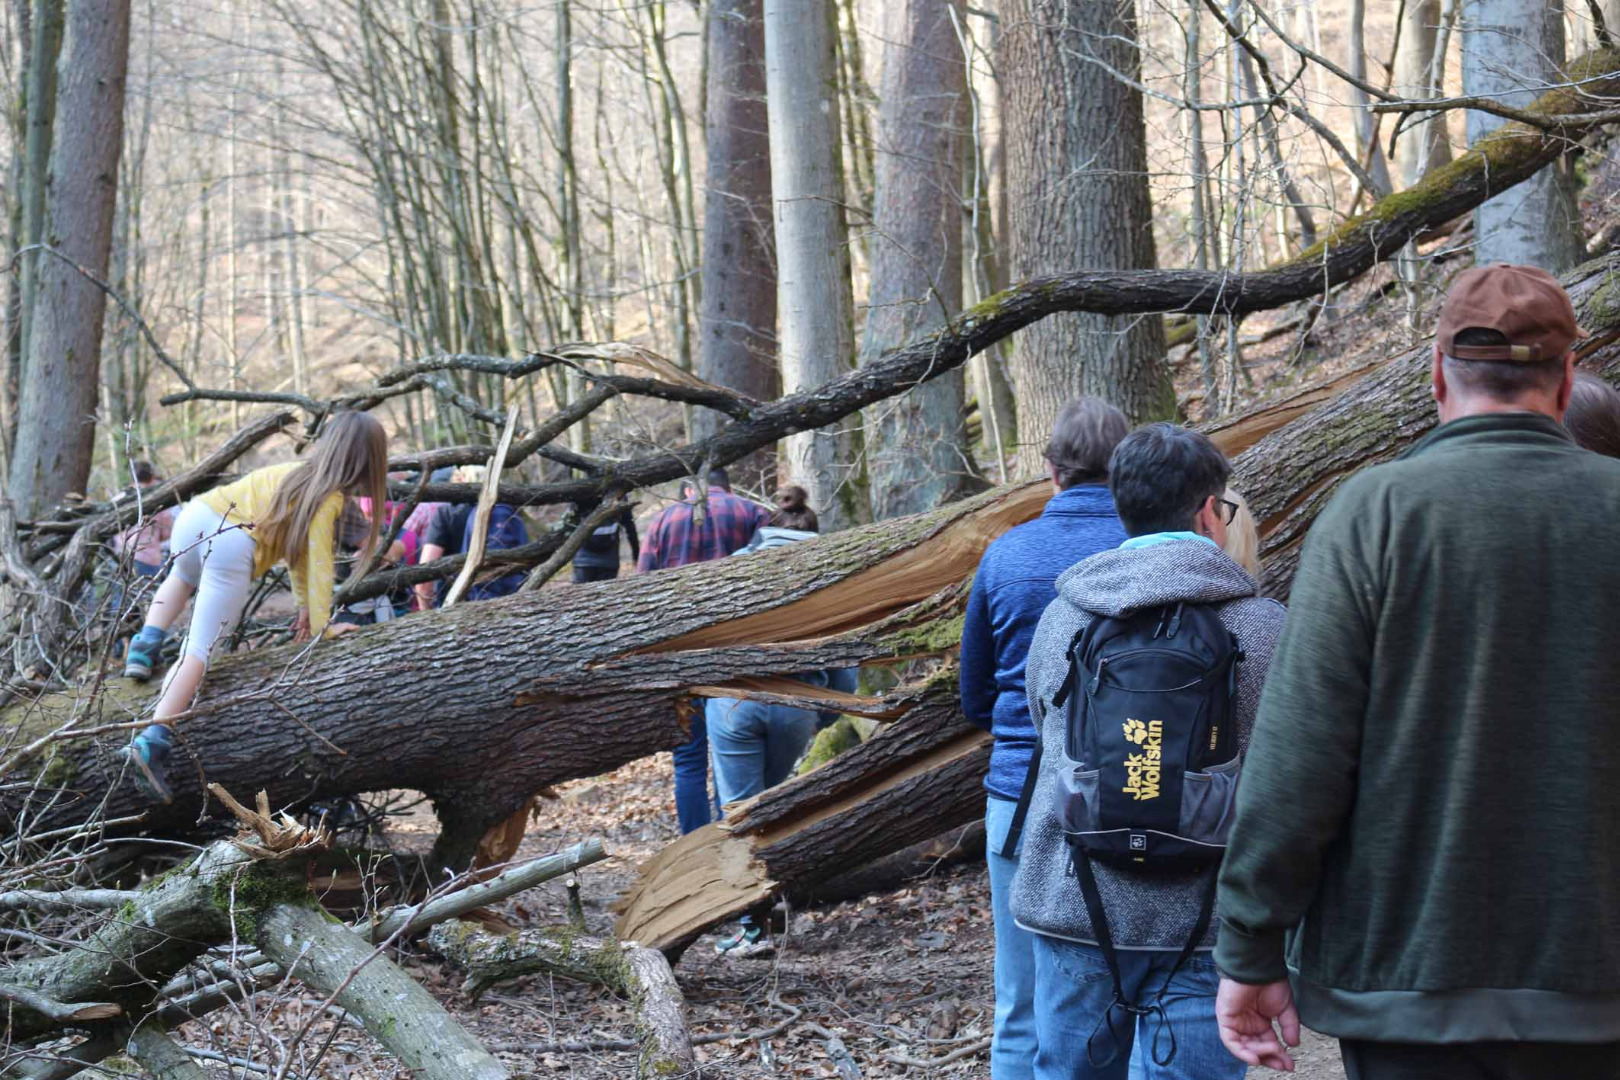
(1142, 770)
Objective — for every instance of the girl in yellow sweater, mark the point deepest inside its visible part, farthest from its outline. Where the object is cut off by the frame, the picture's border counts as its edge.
(225, 539)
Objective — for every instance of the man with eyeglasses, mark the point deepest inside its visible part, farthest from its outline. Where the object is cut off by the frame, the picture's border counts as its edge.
(1431, 802)
(1124, 984)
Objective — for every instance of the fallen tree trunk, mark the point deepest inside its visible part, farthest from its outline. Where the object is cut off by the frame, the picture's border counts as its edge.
(523, 692)
(909, 782)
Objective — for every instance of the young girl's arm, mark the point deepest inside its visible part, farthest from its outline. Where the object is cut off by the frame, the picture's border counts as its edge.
(312, 584)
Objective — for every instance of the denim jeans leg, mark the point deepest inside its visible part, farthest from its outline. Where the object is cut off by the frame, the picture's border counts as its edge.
(692, 778)
(737, 747)
(787, 732)
(1073, 992)
(1012, 1046)
(1189, 1018)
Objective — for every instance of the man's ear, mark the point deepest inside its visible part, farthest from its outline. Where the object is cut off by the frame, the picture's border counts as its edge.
(1566, 387)
(1204, 520)
(1437, 377)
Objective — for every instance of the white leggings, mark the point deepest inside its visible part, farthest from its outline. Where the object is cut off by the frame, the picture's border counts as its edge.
(215, 558)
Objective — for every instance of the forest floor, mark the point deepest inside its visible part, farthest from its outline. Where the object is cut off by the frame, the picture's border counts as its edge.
(893, 975)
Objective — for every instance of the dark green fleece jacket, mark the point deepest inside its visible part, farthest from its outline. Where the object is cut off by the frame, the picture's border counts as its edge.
(1431, 799)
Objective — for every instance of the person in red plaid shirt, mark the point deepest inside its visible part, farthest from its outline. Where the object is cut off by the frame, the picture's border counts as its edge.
(689, 533)
(692, 532)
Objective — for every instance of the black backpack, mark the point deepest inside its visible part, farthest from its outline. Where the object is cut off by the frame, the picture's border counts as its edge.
(1148, 771)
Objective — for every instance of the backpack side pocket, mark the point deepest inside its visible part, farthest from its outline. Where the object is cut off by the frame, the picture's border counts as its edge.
(1208, 803)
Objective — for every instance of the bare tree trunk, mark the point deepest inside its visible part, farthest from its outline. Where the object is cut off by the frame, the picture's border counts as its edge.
(1078, 192)
(56, 433)
(812, 241)
(44, 51)
(737, 324)
(1511, 49)
(1423, 144)
(915, 443)
(1368, 152)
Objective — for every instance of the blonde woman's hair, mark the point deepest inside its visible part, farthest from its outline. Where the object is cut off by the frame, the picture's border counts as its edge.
(351, 457)
(1243, 536)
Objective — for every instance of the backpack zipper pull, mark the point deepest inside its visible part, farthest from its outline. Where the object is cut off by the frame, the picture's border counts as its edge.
(1175, 620)
(1096, 680)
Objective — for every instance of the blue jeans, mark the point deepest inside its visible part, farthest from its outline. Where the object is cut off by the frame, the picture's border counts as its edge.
(1012, 1047)
(1073, 991)
(692, 805)
(754, 745)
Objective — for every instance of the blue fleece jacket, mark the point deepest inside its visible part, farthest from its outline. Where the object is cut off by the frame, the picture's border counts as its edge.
(1011, 590)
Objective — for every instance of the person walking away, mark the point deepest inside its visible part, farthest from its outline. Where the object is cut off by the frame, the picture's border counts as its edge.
(686, 532)
(506, 530)
(1429, 803)
(754, 745)
(1593, 416)
(598, 558)
(1143, 679)
(1013, 586)
(445, 534)
(145, 544)
(234, 534)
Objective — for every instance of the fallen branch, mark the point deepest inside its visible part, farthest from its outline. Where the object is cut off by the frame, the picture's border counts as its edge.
(663, 1040)
(164, 1058)
(60, 1012)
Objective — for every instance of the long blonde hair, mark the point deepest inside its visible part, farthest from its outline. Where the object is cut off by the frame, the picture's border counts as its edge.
(351, 457)
(1243, 535)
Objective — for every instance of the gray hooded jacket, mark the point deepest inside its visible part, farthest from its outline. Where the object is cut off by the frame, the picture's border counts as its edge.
(1145, 911)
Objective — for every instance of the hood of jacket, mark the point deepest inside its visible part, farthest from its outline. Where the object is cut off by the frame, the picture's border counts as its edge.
(1113, 583)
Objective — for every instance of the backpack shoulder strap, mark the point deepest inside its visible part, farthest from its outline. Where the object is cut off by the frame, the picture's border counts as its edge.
(1009, 850)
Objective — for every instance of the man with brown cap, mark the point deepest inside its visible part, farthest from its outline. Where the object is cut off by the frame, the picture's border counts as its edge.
(1430, 806)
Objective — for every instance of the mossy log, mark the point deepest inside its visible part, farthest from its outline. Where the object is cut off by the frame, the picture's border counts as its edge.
(228, 896)
(663, 1039)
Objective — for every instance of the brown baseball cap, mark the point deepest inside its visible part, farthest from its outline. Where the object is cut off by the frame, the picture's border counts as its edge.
(1525, 304)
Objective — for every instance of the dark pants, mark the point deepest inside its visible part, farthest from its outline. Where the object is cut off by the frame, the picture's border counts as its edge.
(582, 574)
(1364, 1060)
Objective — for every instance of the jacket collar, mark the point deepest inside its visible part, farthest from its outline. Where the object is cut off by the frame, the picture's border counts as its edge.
(1532, 427)
(1090, 500)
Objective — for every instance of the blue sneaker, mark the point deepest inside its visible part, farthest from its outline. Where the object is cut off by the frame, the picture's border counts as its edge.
(142, 657)
(148, 753)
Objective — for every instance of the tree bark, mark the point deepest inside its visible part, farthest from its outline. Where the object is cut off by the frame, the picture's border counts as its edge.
(1077, 183)
(1368, 152)
(737, 319)
(1424, 144)
(916, 450)
(397, 1011)
(812, 241)
(45, 48)
(1510, 49)
(56, 431)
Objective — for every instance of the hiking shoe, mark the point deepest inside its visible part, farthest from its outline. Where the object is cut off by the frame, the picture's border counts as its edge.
(748, 939)
(141, 658)
(148, 753)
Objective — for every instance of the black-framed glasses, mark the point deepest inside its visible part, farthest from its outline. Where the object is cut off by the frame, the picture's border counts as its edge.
(1227, 509)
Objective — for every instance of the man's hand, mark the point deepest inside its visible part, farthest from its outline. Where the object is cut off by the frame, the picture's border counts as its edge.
(1244, 1014)
(337, 628)
(300, 625)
